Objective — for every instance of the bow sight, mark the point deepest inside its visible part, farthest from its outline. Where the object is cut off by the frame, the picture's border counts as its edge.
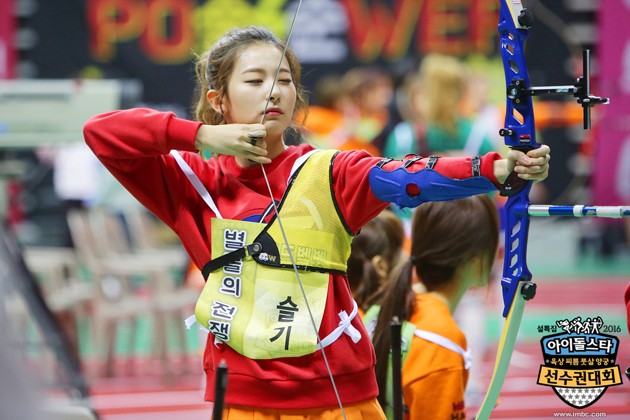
(518, 90)
(581, 90)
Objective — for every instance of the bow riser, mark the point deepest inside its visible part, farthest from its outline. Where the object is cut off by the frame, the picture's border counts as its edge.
(519, 129)
(520, 133)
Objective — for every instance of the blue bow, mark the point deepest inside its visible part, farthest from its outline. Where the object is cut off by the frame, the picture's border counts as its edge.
(519, 133)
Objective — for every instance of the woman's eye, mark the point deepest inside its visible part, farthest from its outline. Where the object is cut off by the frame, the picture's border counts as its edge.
(254, 81)
(286, 81)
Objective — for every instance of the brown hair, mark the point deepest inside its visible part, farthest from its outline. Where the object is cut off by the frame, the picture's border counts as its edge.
(384, 236)
(445, 235)
(442, 87)
(214, 68)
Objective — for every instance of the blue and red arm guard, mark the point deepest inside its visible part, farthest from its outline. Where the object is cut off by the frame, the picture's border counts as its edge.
(421, 180)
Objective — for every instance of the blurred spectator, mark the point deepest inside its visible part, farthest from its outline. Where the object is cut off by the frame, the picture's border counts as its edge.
(486, 117)
(370, 92)
(350, 110)
(438, 124)
(375, 251)
(399, 107)
(326, 123)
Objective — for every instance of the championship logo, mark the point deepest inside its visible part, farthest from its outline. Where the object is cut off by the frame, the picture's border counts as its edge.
(580, 362)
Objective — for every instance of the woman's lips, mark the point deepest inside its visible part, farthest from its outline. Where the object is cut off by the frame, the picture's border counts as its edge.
(274, 111)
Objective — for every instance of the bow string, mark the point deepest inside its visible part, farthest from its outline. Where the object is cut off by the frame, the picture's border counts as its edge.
(284, 235)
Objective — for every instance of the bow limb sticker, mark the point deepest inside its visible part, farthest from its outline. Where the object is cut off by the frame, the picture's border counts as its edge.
(580, 362)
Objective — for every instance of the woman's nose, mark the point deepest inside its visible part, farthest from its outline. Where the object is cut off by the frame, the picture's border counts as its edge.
(274, 95)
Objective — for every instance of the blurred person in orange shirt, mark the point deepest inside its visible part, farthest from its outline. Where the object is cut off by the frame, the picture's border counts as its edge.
(453, 248)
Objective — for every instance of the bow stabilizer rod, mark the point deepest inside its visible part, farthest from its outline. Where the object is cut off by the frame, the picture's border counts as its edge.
(615, 212)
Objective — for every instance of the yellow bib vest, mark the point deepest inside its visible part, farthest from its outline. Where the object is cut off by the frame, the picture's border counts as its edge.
(255, 304)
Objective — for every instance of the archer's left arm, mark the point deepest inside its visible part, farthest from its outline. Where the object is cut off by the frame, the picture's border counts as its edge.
(360, 196)
(418, 180)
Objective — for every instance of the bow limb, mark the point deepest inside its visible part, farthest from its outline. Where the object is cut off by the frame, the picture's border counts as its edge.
(278, 219)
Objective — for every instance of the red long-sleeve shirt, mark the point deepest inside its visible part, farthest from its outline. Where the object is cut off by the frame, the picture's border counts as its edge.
(134, 145)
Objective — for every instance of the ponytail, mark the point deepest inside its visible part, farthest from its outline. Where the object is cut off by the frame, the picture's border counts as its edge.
(397, 298)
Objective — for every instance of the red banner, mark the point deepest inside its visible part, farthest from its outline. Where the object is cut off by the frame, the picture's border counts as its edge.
(155, 41)
(7, 51)
(611, 180)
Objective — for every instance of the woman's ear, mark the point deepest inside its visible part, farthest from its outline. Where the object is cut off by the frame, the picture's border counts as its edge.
(381, 266)
(215, 100)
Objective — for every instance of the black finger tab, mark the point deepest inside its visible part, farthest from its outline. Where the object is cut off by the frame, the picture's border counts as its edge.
(253, 139)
